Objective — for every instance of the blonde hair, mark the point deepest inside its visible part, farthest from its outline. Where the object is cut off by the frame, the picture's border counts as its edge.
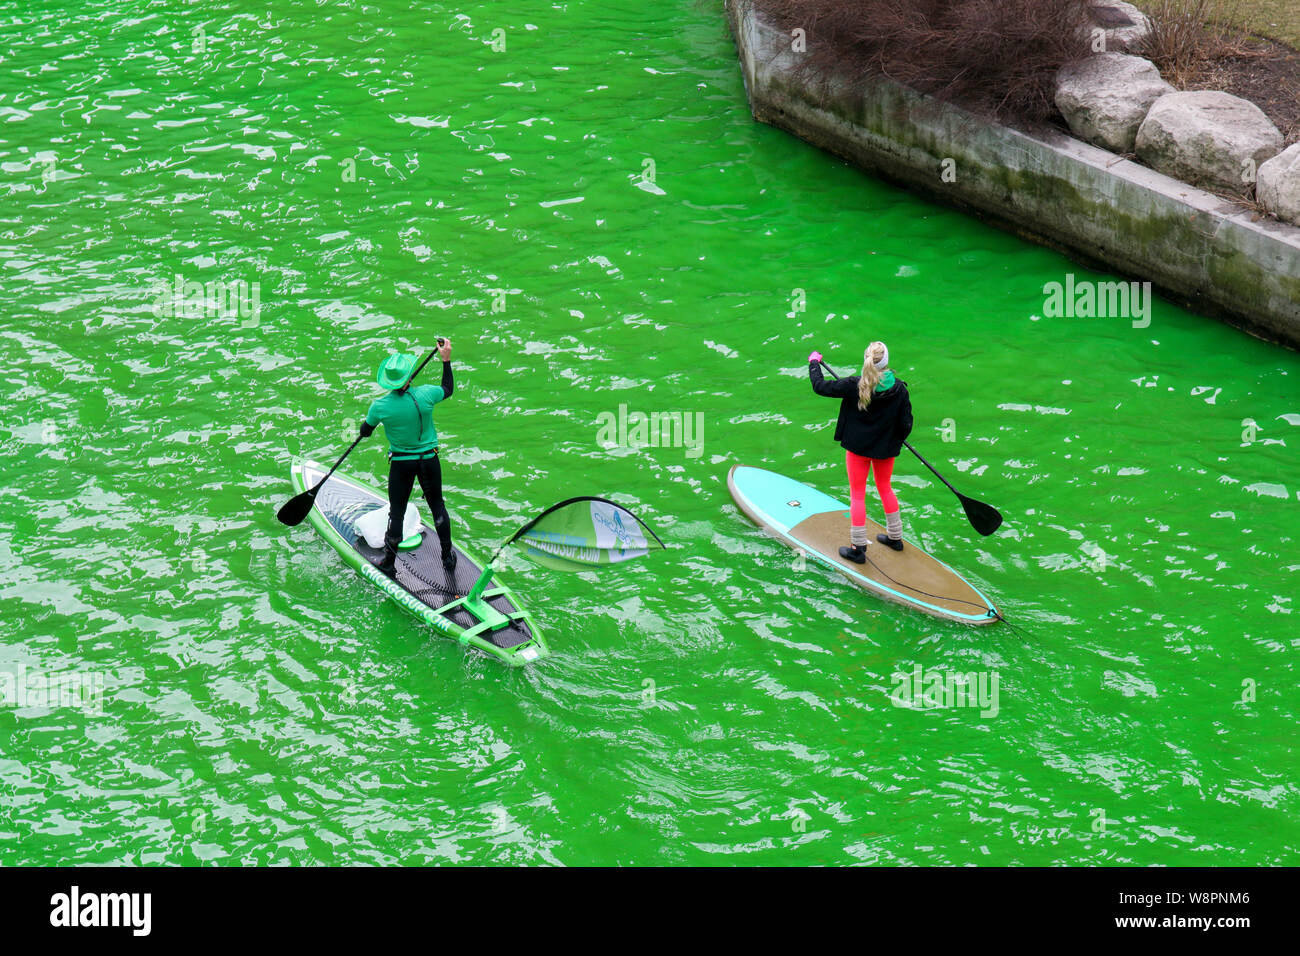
(871, 375)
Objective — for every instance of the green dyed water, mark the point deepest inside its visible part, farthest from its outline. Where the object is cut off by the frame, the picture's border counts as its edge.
(593, 217)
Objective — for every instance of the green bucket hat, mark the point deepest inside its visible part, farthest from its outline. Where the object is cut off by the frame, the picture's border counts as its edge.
(395, 370)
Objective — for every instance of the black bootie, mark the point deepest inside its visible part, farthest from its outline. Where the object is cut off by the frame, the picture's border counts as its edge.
(890, 542)
(389, 563)
(856, 553)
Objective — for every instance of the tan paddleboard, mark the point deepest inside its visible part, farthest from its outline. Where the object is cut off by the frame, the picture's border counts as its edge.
(815, 523)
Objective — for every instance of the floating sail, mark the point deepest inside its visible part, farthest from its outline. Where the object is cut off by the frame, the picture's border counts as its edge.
(584, 533)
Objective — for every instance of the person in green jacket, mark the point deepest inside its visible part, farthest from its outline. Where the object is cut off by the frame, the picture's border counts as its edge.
(407, 416)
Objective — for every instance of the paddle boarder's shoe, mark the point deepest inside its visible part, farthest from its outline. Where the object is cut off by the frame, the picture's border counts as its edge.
(857, 554)
(449, 562)
(896, 544)
(388, 565)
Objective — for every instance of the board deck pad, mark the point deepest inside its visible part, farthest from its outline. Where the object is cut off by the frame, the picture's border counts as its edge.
(812, 521)
(419, 571)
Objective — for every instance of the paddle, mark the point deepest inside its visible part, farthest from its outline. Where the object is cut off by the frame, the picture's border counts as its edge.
(983, 518)
(299, 506)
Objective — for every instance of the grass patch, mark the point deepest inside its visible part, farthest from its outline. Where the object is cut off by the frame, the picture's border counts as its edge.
(1276, 19)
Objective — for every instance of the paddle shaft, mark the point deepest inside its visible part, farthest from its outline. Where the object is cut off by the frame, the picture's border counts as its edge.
(355, 443)
(297, 507)
(428, 358)
(909, 447)
(933, 469)
(418, 370)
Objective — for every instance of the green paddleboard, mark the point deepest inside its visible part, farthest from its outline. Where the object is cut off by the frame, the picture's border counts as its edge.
(421, 586)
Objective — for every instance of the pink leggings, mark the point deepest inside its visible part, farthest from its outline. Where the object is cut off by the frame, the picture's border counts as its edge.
(859, 468)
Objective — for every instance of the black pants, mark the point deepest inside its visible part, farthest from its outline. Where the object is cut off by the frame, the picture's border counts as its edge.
(401, 477)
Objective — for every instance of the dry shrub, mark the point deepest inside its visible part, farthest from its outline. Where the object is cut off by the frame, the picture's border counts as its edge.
(997, 56)
(1187, 35)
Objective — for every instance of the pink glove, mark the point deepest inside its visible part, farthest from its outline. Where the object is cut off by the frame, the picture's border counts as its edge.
(815, 357)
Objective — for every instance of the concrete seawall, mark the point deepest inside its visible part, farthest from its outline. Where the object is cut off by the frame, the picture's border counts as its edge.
(1107, 212)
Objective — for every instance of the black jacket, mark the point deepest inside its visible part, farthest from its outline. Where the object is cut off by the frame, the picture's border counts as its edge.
(878, 432)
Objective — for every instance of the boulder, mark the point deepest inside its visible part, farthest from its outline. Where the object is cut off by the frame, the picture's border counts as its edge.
(1213, 140)
(1105, 98)
(1278, 186)
(1117, 27)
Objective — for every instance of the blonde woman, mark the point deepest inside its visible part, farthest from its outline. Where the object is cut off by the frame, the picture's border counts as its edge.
(875, 419)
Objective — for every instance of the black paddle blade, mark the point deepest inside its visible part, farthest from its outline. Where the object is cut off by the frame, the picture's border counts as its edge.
(297, 507)
(983, 518)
